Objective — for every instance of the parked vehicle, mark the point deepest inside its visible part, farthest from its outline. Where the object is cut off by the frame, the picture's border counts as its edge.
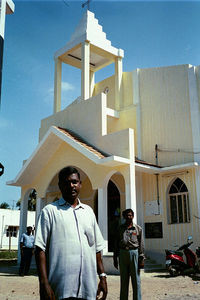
(175, 263)
(198, 257)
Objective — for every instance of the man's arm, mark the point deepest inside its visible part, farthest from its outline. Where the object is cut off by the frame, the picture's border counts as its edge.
(22, 244)
(141, 250)
(102, 287)
(116, 250)
(141, 244)
(46, 292)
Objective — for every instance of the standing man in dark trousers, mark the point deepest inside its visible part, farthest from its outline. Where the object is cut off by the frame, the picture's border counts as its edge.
(129, 248)
(27, 250)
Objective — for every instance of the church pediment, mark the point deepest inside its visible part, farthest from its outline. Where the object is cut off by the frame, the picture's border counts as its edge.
(50, 143)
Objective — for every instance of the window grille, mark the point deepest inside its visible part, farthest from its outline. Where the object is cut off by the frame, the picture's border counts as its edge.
(12, 231)
(178, 198)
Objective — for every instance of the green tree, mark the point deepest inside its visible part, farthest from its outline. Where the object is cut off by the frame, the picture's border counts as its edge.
(31, 201)
(18, 203)
(4, 205)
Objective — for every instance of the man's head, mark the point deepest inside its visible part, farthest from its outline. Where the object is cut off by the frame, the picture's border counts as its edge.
(29, 230)
(128, 215)
(69, 183)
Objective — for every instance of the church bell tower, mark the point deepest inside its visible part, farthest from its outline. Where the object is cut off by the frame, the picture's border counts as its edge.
(90, 51)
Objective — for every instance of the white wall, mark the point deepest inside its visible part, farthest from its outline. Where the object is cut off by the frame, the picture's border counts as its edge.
(10, 217)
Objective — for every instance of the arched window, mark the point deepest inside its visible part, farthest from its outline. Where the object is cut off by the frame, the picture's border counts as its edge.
(179, 211)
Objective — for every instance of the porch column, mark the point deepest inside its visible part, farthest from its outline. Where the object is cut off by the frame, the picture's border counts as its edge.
(40, 203)
(118, 82)
(23, 220)
(85, 72)
(130, 189)
(57, 85)
(92, 82)
(103, 214)
(23, 216)
(139, 200)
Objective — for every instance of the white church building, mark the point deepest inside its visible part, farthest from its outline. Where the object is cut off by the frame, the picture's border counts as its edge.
(135, 138)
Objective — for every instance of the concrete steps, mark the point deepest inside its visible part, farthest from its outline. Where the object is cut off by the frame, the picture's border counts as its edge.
(151, 265)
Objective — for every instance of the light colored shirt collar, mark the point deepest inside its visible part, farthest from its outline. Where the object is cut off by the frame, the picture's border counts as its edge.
(63, 202)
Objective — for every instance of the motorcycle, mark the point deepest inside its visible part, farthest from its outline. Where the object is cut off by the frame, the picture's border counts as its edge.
(198, 257)
(175, 263)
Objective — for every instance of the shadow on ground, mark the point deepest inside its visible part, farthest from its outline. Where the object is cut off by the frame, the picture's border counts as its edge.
(195, 277)
(11, 268)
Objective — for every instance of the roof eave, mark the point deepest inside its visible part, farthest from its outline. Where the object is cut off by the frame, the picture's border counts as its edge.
(113, 161)
(10, 7)
(164, 170)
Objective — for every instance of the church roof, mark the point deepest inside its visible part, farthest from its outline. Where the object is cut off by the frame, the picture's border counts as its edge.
(50, 143)
(57, 135)
(101, 50)
(83, 143)
(10, 7)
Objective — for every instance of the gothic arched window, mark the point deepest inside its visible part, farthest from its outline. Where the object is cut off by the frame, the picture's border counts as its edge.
(179, 211)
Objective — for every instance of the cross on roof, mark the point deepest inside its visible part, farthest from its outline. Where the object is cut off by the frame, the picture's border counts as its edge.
(86, 3)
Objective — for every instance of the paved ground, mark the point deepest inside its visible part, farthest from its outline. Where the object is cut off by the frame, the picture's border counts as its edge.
(156, 285)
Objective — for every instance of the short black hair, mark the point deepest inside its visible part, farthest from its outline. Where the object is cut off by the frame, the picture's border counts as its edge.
(29, 227)
(66, 172)
(127, 211)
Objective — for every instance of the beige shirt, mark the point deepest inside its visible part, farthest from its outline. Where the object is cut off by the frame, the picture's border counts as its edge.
(129, 238)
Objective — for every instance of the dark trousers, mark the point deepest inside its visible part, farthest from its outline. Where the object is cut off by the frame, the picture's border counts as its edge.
(25, 261)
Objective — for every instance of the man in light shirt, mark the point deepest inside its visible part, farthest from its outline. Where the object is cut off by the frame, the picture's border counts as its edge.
(68, 246)
(27, 250)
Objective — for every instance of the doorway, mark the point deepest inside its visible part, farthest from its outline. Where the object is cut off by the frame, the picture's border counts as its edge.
(113, 213)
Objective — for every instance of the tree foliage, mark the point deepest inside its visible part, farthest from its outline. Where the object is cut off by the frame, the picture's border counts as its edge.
(4, 205)
(31, 201)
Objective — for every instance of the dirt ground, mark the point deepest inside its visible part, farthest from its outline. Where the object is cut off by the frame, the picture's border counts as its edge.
(155, 285)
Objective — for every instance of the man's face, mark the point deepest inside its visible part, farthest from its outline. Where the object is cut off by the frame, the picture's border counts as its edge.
(70, 187)
(129, 217)
(29, 230)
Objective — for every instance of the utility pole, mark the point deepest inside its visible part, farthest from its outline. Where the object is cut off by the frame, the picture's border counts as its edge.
(6, 7)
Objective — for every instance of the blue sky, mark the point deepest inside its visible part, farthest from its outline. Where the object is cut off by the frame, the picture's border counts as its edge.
(152, 34)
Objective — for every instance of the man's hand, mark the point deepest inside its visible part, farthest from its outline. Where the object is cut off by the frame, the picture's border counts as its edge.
(115, 262)
(102, 289)
(141, 262)
(46, 292)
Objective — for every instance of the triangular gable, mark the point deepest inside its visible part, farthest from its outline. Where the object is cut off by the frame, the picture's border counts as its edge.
(53, 139)
(48, 146)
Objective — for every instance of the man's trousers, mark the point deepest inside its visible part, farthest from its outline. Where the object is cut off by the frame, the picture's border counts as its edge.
(25, 261)
(128, 263)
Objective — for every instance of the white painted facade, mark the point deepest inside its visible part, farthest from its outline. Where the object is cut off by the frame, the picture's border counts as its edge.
(124, 116)
(9, 222)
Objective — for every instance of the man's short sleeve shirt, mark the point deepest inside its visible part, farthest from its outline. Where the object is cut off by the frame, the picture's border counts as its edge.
(27, 240)
(70, 237)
